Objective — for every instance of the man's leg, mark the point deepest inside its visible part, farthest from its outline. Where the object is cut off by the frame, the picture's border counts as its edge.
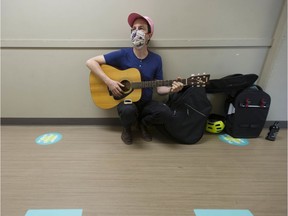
(153, 113)
(128, 114)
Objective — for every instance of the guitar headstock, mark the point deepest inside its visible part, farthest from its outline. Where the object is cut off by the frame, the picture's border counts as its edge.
(198, 80)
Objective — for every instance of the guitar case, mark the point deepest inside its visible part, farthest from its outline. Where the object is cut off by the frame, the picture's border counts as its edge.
(231, 84)
(190, 109)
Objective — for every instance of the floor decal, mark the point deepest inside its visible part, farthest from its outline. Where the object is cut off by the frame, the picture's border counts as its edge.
(233, 141)
(48, 138)
(222, 212)
(54, 212)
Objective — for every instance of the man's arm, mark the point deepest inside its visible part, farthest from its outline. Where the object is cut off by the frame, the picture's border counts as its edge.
(94, 65)
(176, 87)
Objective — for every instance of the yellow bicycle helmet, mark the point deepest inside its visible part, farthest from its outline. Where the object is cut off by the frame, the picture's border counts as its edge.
(215, 123)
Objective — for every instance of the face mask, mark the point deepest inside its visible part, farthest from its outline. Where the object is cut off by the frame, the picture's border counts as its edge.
(138, 38)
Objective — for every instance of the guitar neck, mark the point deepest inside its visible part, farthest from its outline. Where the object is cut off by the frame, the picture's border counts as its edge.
(155, 83)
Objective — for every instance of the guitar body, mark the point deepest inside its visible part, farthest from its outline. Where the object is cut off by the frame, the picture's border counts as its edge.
(133, 85)
(100, 93)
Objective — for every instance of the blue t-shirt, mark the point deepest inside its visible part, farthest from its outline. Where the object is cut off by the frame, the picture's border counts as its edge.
(150, 68)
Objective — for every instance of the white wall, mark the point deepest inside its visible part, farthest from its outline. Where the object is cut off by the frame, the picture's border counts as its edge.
(273, 77)
(45, 45)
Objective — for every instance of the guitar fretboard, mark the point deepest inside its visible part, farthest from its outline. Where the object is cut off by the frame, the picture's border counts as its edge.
(156, 83)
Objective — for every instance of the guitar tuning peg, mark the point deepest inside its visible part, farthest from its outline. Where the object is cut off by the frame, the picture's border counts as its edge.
(192, 74)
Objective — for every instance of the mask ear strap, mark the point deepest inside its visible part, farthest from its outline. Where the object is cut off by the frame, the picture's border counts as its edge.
(149, 38)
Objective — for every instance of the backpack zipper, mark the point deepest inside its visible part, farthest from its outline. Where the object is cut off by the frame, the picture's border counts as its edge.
(195, 110)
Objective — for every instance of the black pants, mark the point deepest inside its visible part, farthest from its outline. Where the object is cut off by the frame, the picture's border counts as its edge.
(147, 113)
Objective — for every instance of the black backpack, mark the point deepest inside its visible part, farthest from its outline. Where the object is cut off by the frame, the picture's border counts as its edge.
(246, 104)
(190, 109)
(247, 112)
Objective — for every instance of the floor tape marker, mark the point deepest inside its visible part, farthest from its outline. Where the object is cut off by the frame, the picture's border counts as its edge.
(222, 212)
(54, 212)
(48, 138)
(233, 141)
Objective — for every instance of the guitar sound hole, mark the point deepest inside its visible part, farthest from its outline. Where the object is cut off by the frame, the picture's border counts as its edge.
(127, 86)
(127, 89)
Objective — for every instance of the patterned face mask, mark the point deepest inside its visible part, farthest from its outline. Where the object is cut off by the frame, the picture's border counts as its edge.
(138, 38)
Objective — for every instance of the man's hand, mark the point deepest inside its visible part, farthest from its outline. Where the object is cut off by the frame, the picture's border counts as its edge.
(115, 88)
(176, 85)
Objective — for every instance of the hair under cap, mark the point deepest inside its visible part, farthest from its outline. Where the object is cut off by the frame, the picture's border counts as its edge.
(133, 16)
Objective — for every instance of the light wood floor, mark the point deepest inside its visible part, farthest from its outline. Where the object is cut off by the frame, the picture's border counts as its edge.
(91, 169)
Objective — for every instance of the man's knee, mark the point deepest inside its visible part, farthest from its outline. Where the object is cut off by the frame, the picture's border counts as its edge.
(164, 111)
(126, 109)
(128, 113)
(158, 114)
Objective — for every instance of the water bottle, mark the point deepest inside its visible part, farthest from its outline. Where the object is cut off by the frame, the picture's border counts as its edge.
(273, 131)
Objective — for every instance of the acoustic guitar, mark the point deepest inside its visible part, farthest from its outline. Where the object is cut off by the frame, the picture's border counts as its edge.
(131, 79)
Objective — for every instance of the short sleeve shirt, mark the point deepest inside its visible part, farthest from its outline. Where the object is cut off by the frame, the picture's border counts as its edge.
(150, 68)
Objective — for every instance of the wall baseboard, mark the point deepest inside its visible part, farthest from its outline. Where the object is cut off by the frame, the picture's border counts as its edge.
(84, 121)
(282, 124)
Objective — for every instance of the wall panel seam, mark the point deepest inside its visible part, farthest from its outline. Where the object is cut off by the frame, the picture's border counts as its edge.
(117, 43)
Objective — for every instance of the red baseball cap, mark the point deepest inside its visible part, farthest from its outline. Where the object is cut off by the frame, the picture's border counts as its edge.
(133, 16)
